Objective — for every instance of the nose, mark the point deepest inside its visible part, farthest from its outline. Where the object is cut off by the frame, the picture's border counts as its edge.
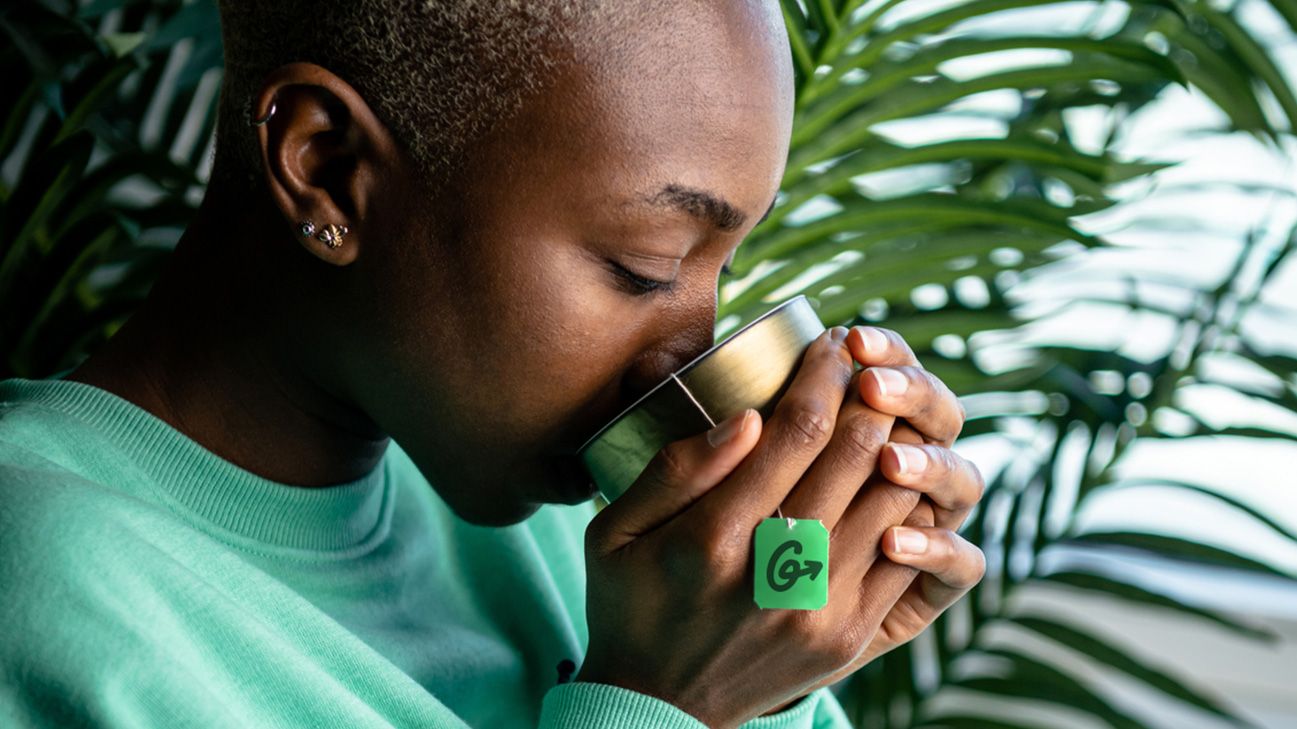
(680, 339)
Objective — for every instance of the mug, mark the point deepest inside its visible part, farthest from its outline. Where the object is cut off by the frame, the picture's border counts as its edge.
(751, 368)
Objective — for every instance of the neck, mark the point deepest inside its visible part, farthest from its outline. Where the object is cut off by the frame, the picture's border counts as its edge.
(221, 352)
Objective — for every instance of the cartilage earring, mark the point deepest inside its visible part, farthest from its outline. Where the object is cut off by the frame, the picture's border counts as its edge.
(331, 235)
(306, 228)
(247, 110)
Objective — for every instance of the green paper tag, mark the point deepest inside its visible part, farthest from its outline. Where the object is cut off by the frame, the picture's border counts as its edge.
(792, 564)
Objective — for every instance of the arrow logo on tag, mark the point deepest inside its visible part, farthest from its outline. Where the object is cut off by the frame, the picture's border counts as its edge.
(789, 571)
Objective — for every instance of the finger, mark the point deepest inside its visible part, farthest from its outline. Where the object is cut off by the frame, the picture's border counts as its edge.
(871, 599)
(882, 582)
(677, 476)
(875, 346)
(844, 465)
(953, 483)
(877, 505)
(856, 541)
(791, 438)
(952, 564)
(917, 395)
(949, 567)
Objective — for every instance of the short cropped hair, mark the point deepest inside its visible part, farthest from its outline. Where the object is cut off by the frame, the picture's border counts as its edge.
(439, 73)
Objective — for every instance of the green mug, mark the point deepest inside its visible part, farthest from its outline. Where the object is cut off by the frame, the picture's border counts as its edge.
(751, 368)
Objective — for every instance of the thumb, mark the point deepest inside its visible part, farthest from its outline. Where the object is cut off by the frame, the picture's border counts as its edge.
(677, 476)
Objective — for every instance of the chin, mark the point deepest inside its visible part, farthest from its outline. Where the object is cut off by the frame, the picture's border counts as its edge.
(556, 480)
(496, 515)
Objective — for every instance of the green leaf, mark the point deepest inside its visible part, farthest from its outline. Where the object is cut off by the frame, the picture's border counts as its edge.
(1118, 659)
(101, 82)
(1255, 59)
(121, 44)
(875, 155)
(916, 98)
(976, 721)
(48, 180)
(937, 210)
(902, 33)
(1171, 546)
(797, 37)
(1092, 582)
(64, 267)
(1032, 679)
(1215, 495)
(883, 77)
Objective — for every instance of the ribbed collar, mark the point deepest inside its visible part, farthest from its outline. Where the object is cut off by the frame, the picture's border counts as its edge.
(214, 490)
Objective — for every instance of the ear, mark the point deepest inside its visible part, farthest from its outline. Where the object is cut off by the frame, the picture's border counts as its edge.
(325, 155)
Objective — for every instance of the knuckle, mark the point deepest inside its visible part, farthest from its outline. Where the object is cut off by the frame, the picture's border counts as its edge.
(942, 548)
(864, 436)
(940, 400)
(945, 461)
(806, 628)
(842, 649)
(671, 468)
(896, 501)
(928, 386)
(718, 548)
(810, 420)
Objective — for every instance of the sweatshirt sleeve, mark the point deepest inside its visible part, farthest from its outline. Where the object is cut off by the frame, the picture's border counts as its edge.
(585, 705)
(818, 710)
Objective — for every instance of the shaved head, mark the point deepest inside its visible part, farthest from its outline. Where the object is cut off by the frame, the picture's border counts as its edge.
(439, 73)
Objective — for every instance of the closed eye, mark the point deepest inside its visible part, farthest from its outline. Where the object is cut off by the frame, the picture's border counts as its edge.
(637, 284)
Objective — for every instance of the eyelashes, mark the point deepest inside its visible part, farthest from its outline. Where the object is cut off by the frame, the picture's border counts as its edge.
(641, 285)
(637, 284)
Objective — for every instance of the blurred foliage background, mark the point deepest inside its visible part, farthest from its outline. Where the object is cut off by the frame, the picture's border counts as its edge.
(983, 177)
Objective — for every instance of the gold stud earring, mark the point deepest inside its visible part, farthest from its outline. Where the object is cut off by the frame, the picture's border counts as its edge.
(331, 235)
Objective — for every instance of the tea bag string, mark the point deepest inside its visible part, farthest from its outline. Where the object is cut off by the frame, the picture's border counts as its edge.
(712, 423)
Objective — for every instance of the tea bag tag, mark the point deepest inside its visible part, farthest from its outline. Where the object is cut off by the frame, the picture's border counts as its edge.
(791, 564)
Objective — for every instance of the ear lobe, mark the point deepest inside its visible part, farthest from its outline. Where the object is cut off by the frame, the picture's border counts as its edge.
(323, 150)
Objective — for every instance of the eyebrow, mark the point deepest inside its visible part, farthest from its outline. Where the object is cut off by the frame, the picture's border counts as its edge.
(703, 205)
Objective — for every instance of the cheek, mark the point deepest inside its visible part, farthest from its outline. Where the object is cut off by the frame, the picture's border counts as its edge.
(551, 343)
(564, 339)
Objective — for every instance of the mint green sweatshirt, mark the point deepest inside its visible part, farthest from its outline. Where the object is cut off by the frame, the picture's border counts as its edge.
(146, 582)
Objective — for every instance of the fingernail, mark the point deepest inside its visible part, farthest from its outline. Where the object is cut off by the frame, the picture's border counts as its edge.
(838, 334)
(725, 432)
(875, 341)
(890, 382)
(910, 460)
(909, 541)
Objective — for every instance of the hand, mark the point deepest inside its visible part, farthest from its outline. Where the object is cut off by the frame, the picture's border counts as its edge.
(918, 457)
(670, 592)
(950, 564)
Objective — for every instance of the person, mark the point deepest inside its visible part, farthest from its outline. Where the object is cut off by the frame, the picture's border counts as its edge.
(325, 476)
